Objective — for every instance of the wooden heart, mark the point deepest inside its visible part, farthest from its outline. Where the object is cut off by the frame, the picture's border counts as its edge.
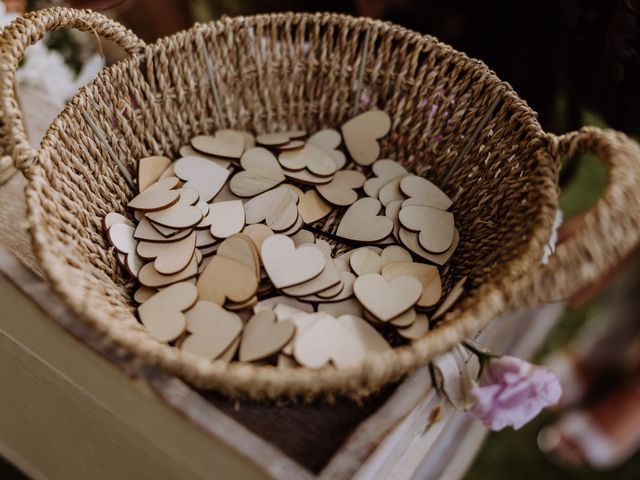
(391, 192)
(224, 279)
(329, 277)
(263, 336)
(410, 240)
(271, 303)
(313, 158)
(344, 341)
(405, 319)
(225, 143)
(422, 192)
(384, 171)
(312, 207)
(291, 145)
(112, 218)
(258, 233)
(120, 235)
(213, 330)
(205, 239)
(142, 294)
(341, 190)
(241, 248)
(156, 196)
(203, 176)
(180, 215)
(261, 172)
(166, 232)
(277, 207)
(417, 329)
(361, 134)
(170, 257)
(287, 265)
(150, 277)
(348, 280)
(227, 218)
(303, 236)
(225, 194)
(189, 151)
(306, 177)
(362, 223)
(162, 313)
(350, 306)
(387, 299)
(150, 169)
(279, 138)
(329, 140)
(392, 211)
(427, 275)
(327, 340)
(364, 260)
(149, 232)
(364, 334)
(436, 226)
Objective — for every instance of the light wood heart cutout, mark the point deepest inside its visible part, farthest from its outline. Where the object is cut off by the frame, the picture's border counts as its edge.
(427, 275)
(361, 134)
(179, 216)
(162, 313)
(203, 176)
(225, 143)
(422, 192)
(156, 196)
(329, 140)
(287, 265)
(263, 336)
(436, 226)
(278, 208)
(384, 171)
(169, 257)
(150, 169)
(224, 279)
(213, 329)
(344, 341)
(387, 299)
(362, 223)
(341, 191)
(261, 172)
(227, 218)
(241, 248)
(312, 207)
(364, 260)
(120, 235)
(313, 158)
(150, 277)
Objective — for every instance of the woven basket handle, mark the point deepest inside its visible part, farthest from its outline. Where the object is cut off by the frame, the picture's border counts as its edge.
(611, 228)
(26, 31)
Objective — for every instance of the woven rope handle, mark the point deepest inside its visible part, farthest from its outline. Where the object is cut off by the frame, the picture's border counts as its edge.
(28, 30)
(611, 227)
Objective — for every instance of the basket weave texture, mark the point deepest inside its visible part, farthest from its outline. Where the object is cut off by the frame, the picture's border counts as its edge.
(453, 121)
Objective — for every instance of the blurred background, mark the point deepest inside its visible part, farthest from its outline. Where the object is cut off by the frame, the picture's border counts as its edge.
(576, 63)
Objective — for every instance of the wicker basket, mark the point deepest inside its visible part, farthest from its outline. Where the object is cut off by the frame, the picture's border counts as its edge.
(452, 119)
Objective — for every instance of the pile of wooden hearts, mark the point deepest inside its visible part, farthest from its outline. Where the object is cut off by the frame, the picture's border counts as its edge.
(227, 270)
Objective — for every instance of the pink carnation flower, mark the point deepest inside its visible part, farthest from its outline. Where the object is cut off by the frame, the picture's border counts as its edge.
(512, 392)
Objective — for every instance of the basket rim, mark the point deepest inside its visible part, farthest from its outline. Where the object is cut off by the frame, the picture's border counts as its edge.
(260, 382)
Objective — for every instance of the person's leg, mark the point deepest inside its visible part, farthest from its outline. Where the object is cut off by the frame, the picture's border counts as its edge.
(599, 436)
(604, 343)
